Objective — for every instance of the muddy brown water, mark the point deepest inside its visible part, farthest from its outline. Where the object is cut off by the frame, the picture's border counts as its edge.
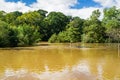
(60, 62)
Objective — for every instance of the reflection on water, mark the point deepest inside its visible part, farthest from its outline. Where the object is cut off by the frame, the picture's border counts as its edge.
(61, 62)
(76, 73)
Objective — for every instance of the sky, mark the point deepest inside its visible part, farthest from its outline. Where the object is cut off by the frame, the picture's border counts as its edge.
(81, 8)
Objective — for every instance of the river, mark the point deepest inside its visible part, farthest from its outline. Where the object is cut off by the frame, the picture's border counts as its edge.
(74, 61)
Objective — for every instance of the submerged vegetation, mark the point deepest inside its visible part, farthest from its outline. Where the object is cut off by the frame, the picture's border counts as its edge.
(24, 29)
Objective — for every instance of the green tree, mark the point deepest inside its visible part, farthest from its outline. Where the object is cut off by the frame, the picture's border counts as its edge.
(11, 17)
(93, 31)
(75, 28)
(63, 37)
(27, 35)
(72, 33)
(42, 12)
(111, 21)
(53, 38)
(30, 18)
(13, 36)
(4, 41)
(54, 23)
(2, 15)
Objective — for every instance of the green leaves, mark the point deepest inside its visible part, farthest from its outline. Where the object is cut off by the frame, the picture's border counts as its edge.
(11, 17)
(111, 21)
(72, 33)
(53, 38)
(12, 36)
(27, 35)
(4, 34)
(23, 29)
(93, 31)
(30, 18)
(57, 22)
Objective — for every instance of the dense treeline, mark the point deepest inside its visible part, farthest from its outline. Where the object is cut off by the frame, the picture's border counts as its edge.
(23, 29)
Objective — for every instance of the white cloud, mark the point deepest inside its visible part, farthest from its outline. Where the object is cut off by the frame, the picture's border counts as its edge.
(12, 6)
(54, 5)
(49, 5)
(63, 6)
(108, 3)
(83, 13)
(57, 5)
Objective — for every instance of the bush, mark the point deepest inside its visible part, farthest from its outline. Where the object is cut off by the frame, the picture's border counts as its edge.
(28, 35)
(88, 39)
(53, 38)
(18, 36)
(13, 36)
(63, 37)
(4, 41)
(72, 34)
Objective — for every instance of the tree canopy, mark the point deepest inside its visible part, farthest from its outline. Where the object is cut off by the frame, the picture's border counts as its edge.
(24, 29)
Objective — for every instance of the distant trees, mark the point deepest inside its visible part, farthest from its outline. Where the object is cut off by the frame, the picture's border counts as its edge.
(4, 34)
(75, 29)
(93, 31)
(11, 36)
(111, 22)
(2, 13)
(24, 29)
(27, 35)
(72, 33)
(11, 17)
(30, 18)
(55, 22)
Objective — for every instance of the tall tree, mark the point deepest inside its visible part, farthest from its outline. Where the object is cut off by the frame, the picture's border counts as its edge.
(4, 37)
(111, 21)
(27, 35)
(72, 33)
(30, 18)
(93, 31)
(54, 23)
(74, 29)
(11, 17)
(2, 15)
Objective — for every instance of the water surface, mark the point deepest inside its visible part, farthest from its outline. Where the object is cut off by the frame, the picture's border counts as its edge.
(60, 62)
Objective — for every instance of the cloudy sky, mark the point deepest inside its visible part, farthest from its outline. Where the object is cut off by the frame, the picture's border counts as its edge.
(81, 8)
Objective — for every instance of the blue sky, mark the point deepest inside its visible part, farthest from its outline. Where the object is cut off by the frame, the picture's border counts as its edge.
(81, 8)
(28, 2)
(86, 3)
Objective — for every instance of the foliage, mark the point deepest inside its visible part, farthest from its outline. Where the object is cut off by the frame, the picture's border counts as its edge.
(93, 31)
(74, 29)
(11, 17)
(72, 33)
(55, 22)
(63, 37)
(27, 35)
(23, 29)
(111, 21)
(2, 15)
(53, 38)
(30, 18)
(4, 34)
(13, 36)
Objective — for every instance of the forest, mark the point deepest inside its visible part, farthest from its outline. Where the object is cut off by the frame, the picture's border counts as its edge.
(24, 29)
